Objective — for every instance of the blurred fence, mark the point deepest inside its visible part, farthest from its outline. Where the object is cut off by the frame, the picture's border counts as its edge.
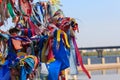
(92, 67)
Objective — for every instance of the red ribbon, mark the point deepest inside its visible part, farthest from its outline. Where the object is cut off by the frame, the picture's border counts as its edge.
(50, 52)
(0, 1)
(32, 26)
(65, 24)
(79, 58)
(26, 32)
(26, 7)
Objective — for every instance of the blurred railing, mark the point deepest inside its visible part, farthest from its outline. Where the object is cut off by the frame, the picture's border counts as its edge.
(92, 67)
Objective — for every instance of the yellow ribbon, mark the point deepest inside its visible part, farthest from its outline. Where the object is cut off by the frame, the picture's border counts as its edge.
(22, 22)
(43, 56)
(29, 56)
(51, 60)
(2, 59)
(55, 2)
(59, 32)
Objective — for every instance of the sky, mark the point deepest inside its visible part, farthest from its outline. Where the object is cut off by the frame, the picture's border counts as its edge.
(98, 20)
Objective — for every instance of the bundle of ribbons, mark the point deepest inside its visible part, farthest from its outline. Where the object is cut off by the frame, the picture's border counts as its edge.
(42, 35)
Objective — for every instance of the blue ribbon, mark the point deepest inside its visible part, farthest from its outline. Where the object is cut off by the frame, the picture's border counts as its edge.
(40, 13)
(11, 52)
(26, 70)
(72, 59)
(54, 70)
(61, 54)
(40, 10)
(40, 44)
(29, 33)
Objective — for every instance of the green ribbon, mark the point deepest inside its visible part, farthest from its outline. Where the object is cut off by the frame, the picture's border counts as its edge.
(10, 9)
(22, 11)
